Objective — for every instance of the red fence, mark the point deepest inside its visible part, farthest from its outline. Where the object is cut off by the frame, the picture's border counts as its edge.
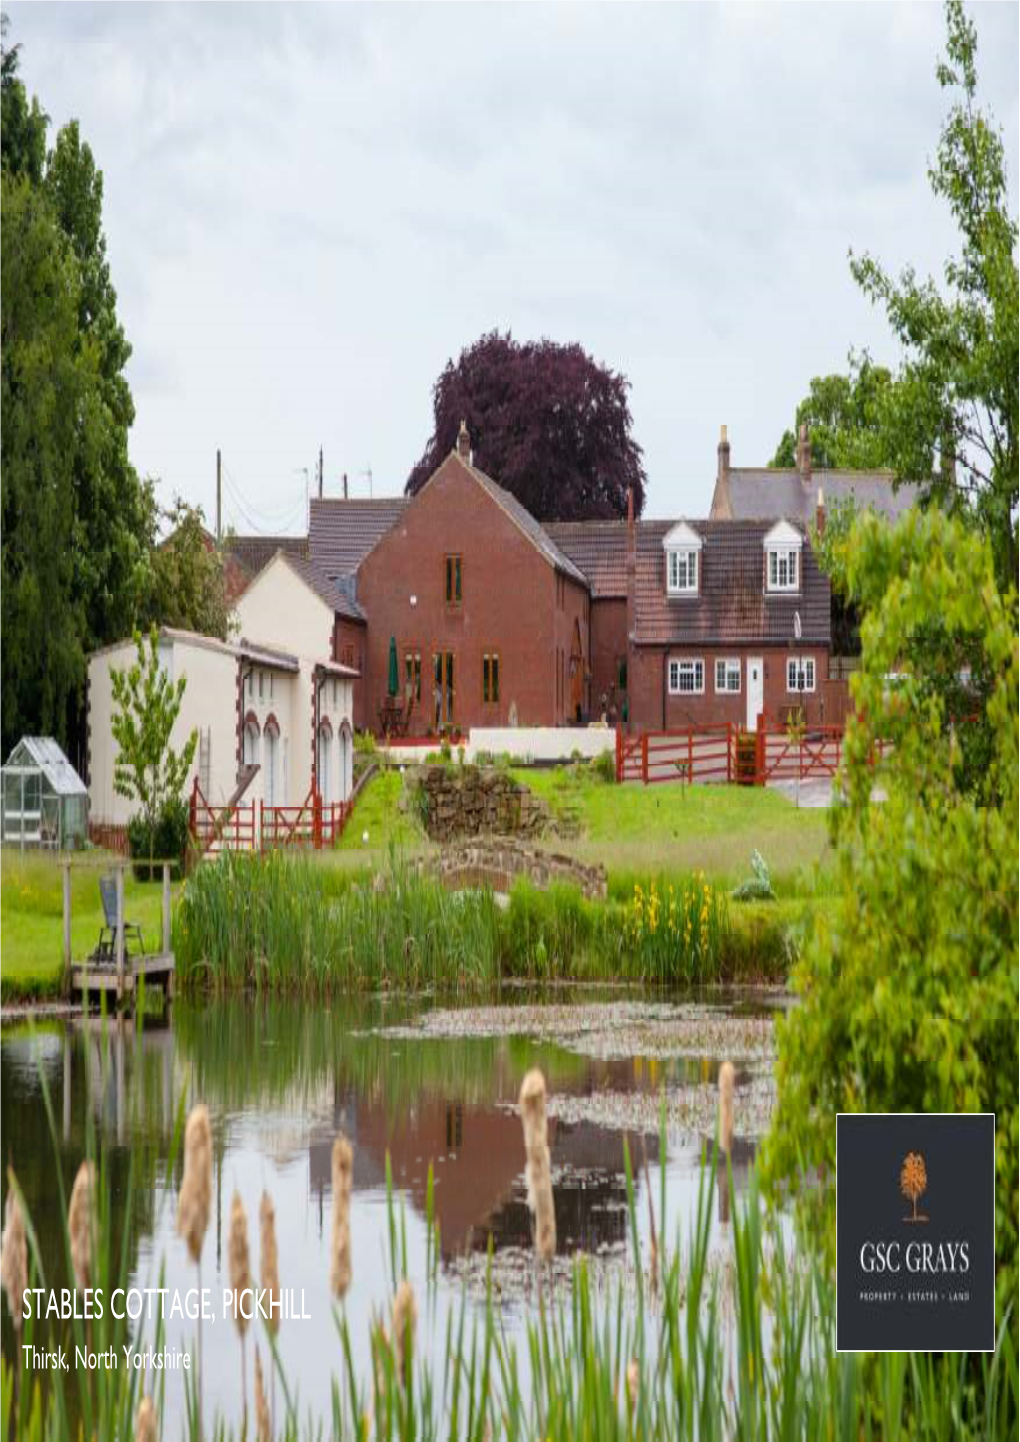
(726, 752)
(251, 827)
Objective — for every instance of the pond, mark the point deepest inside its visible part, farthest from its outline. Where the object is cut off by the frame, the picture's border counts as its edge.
(424, 1083)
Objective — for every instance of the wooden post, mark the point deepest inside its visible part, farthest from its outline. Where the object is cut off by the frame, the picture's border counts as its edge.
(729, 752)
(67, 926)
(759, 751)
(120, 931)
(690, 755)
(644, 758)
(166, 908)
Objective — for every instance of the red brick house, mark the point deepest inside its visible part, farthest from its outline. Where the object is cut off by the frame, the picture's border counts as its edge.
(489, 617)
(499, 620)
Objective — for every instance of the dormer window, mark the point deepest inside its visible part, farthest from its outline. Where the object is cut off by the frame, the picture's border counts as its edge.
(682, 546)
(783, 546)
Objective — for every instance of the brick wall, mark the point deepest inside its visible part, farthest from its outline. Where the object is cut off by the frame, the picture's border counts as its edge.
(653, 708)
(608, 648)
(510, 604)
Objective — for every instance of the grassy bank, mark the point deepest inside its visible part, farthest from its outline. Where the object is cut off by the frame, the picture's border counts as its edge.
(31, 916)
(289, 923)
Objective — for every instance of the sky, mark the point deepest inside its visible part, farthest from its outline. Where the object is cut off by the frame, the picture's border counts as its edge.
(310, 209)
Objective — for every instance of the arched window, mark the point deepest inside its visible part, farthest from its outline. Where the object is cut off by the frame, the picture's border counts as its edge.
(324, 770)
(252, 736)
(345, 777)
(271, 762)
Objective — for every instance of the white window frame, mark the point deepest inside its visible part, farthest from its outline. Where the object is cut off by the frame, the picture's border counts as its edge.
(677, 665)
(800, 665)
(779, 557)
(682, 571)
(729, 664)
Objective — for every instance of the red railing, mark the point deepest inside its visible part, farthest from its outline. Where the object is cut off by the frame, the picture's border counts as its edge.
(315, 823)
(710, 752)
(231, 828)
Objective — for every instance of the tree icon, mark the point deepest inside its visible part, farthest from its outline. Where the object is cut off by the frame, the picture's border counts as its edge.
(913, 1182)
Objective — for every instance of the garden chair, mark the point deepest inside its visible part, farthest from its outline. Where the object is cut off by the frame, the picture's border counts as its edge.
(106, 950)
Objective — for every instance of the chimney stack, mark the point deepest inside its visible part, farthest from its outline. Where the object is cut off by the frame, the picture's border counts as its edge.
(804, 452)
(820, 512)
(464, 443)
(345, 485)
(723, 468)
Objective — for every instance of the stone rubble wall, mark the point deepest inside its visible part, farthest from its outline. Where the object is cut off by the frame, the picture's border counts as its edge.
(464, 800)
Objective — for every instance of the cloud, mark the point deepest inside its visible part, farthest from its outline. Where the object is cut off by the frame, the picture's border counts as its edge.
(309, 209)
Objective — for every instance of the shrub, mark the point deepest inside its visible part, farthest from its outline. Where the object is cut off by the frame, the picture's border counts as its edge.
(603, 767)
(909, 990)
(168, 840)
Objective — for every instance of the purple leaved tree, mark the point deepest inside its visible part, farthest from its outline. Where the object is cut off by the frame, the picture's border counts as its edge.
(547, 422)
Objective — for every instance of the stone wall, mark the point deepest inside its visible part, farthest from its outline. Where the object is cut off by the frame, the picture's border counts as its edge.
(462, 800)
(498, 861)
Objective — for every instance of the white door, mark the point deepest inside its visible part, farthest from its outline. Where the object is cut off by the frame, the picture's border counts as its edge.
(755, 690)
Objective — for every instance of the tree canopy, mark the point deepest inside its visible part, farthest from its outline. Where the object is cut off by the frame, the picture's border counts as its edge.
(850, 418)
(81, 560)
(547, 421)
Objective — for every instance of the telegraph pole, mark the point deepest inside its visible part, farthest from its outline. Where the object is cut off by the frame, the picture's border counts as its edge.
(219, 497)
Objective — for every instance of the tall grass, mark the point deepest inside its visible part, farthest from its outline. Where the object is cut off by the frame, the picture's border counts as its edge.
(282, 922)
(745, 1349)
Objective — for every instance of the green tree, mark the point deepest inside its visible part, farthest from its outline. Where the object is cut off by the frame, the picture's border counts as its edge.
(958, 387)
(47, 394)
(77, 521)
(851, 419)
(22, 122)
(908, 990)
(146, 707)
(187, 584)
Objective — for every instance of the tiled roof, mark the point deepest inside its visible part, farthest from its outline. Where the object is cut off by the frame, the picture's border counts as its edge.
(267, 655)
(761, 493)
(254, 552)
(598, 549)
(338, 598)
(526, 522)
(732, 606)
(341, 533)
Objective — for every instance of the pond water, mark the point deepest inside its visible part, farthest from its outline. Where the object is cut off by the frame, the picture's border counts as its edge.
(423, 1082)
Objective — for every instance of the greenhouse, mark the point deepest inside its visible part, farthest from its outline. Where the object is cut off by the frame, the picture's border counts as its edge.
(44, 801)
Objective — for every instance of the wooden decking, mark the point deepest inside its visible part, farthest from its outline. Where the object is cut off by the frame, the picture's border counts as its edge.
(156, 968)
(120, 975)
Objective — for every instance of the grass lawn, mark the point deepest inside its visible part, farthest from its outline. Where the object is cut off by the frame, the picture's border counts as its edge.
(671, 827)
(31, 916)
(631, 829)
(378, 822)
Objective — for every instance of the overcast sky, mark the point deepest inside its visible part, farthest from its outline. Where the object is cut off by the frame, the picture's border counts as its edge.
(310, 209)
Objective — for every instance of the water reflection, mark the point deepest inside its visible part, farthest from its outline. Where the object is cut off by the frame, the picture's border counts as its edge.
(280, 1081)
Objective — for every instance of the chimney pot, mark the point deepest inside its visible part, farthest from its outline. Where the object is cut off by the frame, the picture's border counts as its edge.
(820, 512)
(723, 455)
(464, 442)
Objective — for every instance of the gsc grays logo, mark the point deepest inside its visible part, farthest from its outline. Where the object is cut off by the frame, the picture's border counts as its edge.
(915, 1232)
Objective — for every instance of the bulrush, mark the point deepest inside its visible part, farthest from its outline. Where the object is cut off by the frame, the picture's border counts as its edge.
(145, 1421)
(263, 1427)
(240, 1265)
(405, 1321)
(269, 1269)
(727, 1078)
(80, 1222)
(195, 1200)
(240, 1281)
(14, 1257)
(633, 1383)
(343, 1175)
(538, 1170)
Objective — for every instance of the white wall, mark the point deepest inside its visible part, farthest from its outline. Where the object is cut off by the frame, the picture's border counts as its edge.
(209, 704)
(529, 743)
(279, 609)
